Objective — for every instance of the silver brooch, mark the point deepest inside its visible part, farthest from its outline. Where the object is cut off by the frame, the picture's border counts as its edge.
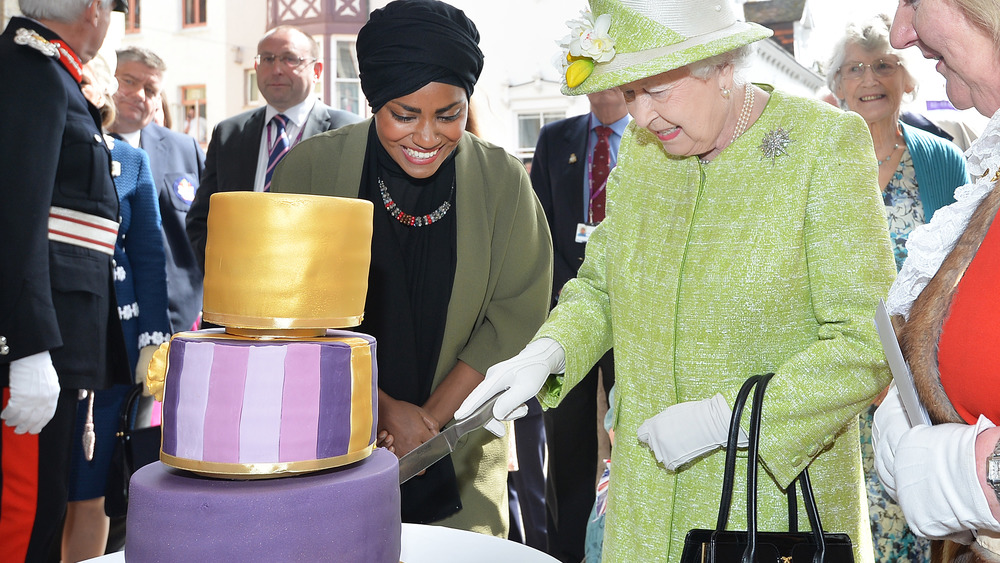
(35, 41)
(775, 142)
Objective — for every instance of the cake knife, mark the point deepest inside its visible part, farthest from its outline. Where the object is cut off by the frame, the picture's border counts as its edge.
(443, 443)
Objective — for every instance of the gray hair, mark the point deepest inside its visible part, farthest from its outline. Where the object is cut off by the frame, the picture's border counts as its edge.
(141, 55)
(65, 11)
(739, 58)
(872, 35)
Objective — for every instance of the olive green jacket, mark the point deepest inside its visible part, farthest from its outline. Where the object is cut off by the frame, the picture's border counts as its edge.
(702, 275)
(500, 294)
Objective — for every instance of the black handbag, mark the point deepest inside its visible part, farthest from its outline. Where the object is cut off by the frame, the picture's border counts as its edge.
(751, 546)
(134, 448)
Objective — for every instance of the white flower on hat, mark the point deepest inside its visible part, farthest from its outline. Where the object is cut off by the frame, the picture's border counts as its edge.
(588, 37)
(588, 43)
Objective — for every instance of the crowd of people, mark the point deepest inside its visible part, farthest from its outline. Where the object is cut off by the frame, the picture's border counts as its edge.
(693, 229)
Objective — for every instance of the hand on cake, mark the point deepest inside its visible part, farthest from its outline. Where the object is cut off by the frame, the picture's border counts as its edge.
(409, 425)
(385, 440)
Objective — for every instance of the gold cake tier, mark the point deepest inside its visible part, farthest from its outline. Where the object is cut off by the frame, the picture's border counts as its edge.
(285, 261)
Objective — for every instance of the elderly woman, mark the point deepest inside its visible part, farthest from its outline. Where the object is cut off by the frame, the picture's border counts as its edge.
(744, 234)
(919, 171)
(944, 303)
(461, 254)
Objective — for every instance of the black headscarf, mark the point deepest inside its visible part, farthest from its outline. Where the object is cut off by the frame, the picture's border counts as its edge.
(411, 43)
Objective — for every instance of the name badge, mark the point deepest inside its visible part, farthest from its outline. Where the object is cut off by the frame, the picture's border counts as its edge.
(583, 231)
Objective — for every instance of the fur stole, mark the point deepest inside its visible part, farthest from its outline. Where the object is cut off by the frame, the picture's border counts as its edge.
(918, 339)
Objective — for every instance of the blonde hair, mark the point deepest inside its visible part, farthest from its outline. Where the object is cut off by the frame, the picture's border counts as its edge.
(982, 14)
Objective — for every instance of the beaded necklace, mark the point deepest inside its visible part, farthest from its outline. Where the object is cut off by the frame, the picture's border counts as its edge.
(410, 220)
(892, 152)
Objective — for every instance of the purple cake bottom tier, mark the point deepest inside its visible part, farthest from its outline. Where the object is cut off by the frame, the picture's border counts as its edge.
(348, 514)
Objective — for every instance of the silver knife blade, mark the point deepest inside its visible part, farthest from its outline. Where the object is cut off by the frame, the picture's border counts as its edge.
(442, 444)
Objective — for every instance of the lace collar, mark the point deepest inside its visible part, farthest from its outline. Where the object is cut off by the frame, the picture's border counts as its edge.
(929, 244)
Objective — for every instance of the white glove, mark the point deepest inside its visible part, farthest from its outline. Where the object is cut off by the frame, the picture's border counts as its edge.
(688, 430)
(34, 392)
(936, 481)
(521, 376)
(142, 366)
(888, 426)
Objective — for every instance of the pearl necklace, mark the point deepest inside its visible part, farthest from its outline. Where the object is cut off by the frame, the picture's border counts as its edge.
(892, 152)
(744, 120)
(410, 220)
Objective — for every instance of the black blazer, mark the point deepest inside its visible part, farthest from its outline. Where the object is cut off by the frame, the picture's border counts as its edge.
(54, 296)
(557, 172)
(231, 163)
(176, 161)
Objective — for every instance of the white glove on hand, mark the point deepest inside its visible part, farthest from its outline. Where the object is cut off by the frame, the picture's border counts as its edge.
(142, 366)
(522, 376)
(688, 430)
(939, 491)
(889, 425)
(34, 392)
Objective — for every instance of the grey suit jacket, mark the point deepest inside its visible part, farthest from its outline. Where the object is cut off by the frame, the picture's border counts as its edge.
(176, 161)
(231, 163)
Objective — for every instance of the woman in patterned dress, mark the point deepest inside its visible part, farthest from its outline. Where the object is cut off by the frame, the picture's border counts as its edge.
(918, 173)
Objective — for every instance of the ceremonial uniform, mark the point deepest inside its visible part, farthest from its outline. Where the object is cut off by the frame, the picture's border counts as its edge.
(58, 223)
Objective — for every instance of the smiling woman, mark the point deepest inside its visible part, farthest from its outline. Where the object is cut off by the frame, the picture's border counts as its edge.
(461, 254)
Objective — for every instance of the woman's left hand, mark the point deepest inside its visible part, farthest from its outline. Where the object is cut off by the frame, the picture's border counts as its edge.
(688, 430)
(937, 483)
(408, 424)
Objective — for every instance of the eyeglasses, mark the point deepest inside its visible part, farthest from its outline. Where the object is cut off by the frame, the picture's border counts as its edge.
(289, 60)
(881, 67)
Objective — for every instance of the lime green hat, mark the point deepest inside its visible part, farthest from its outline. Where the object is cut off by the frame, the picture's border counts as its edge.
(620, 41)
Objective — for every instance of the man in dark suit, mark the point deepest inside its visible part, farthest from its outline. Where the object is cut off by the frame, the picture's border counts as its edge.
(59, 328)
(176, 161)
(240, 153)
(561, 175)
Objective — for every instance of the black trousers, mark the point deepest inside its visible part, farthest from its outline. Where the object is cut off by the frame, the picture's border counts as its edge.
(571, 437)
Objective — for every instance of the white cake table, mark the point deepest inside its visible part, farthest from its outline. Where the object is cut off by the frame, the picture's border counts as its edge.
(437, 544)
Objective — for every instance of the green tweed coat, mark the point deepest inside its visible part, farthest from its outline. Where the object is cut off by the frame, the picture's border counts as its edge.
(500, 295)
(703, 275)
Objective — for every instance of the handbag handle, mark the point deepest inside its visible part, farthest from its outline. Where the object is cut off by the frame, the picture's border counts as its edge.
(125, 421)
(809, 501)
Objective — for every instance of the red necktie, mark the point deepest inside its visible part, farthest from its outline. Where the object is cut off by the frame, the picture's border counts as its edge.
(600, 166)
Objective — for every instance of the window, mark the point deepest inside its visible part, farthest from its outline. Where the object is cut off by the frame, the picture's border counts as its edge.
(194, 106)
(347, 85)
(528, 126)
(194, 12)
(252, 92)
(132, 17)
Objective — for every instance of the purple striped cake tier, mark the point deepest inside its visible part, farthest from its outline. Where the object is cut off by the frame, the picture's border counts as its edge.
(242, 407)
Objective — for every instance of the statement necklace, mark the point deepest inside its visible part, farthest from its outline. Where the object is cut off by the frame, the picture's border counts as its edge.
(410, 220)
(892, 152)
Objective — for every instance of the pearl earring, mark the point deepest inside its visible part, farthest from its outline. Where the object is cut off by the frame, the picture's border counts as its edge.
(725, 93)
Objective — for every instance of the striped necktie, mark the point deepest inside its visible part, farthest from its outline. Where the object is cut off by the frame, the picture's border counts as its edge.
(278, 149)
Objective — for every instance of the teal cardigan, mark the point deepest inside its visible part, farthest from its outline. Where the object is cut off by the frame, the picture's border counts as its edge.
(939, 167)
